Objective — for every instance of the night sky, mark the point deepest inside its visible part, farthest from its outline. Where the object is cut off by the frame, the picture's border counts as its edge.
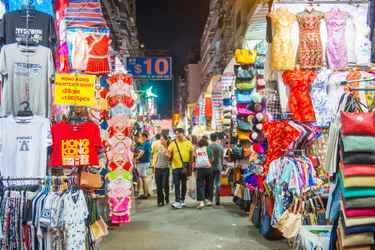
(173, 25)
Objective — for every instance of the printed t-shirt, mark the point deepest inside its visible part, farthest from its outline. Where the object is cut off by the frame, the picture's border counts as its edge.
(23, 146)
(27, 77)
(75, 145)
(40, 28)
(186, 147)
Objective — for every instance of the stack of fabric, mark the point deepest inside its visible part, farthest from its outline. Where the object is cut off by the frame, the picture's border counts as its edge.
(356, 226)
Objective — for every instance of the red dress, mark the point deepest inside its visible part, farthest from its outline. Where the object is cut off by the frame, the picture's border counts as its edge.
(98, 54)
(300, 103)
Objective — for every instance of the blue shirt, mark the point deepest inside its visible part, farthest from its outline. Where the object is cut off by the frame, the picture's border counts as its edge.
(146, 148)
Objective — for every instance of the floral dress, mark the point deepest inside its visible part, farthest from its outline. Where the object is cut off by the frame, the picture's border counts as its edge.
(283, 57)
(300, 103)
(74, 215)
(310, 51)
(319, 96)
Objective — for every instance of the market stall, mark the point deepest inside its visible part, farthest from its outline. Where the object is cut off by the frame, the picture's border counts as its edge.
(66, 126)
(316, 54)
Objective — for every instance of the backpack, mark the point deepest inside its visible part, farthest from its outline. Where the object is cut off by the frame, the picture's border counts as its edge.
(201, 159)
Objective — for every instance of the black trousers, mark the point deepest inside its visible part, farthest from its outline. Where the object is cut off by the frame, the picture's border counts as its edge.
(179, 181)
(162, 184)
(204, 184)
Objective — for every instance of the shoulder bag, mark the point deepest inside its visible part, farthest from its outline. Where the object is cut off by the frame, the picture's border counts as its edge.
(186, 166)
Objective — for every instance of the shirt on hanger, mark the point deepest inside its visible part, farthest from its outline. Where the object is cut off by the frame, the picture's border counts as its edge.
(39, 28)
(27, 78)
(75, 145)
(45, 6)
(23, 146)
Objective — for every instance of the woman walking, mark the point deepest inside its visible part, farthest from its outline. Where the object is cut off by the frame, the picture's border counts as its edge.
(162, 169)
(203, 165)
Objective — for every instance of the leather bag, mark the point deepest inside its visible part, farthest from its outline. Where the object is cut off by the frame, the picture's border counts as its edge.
(90, 181)
(244, 73)
(358, 123)
(245, 56)
(359, 143)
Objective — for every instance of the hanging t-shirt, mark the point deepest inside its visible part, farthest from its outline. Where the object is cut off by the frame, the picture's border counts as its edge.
(23, 146)
(75, 145)
(45, 6)
(2, 10)
(27, 78)
(38, 28)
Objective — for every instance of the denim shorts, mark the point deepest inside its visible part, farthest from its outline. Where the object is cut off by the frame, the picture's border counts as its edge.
(142, 169)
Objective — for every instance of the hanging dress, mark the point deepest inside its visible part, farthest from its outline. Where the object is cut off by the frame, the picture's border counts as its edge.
(336, 48)
(282, 52)
(300, 103)
(310, 51)
(98, 53)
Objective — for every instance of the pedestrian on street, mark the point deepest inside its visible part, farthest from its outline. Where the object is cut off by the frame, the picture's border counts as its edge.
(203, 165)
(217, 151)
(180, 152)
(143, 159)
(162, 170)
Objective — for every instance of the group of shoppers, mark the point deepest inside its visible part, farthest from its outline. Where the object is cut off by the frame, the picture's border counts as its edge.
(203, 159)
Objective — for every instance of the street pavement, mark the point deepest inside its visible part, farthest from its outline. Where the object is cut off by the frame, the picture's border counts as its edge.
(223, 227)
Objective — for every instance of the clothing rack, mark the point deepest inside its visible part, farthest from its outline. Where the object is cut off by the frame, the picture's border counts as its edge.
(359, 80)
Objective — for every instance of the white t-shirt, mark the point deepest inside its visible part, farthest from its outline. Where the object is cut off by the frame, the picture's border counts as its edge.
(23, 146)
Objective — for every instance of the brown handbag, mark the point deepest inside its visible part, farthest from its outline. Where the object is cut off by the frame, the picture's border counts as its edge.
(90, 180)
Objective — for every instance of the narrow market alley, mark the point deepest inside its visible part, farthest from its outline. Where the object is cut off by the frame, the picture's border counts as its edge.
(221, 227)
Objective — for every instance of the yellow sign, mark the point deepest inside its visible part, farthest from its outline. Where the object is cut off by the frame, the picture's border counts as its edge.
(75, 89)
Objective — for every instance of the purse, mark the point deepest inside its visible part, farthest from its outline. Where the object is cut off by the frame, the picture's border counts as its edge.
(245, 56)
(359, 158)
(90, 181)
(265, 228)
(243, 97)
(237, 152)
(244, 84)
(186, 166)
(290, 221)
(358, 143)
(243, 135)
(244, 73)
(242, 110)
(358, 123)
(243, 125)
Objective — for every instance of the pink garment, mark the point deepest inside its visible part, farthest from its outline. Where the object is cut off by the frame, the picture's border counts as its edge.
(359, 170)
(119, 210)
(360, 212)
(336, 49)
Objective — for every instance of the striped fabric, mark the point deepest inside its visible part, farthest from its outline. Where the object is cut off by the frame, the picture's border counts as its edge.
(84, 13)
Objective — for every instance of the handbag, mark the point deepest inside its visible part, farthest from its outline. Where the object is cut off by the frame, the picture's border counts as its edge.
(256, 216)
(245, 84)
(244, 73)
(242, 110)
(244, 97)
(237, 152)
(245, 56)
(358, 123)
(90, 181)
(186, 166)
(358, 143)
(359, 158)
(243, 135)
(243, 125)
(265, 228)
(290, 221)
